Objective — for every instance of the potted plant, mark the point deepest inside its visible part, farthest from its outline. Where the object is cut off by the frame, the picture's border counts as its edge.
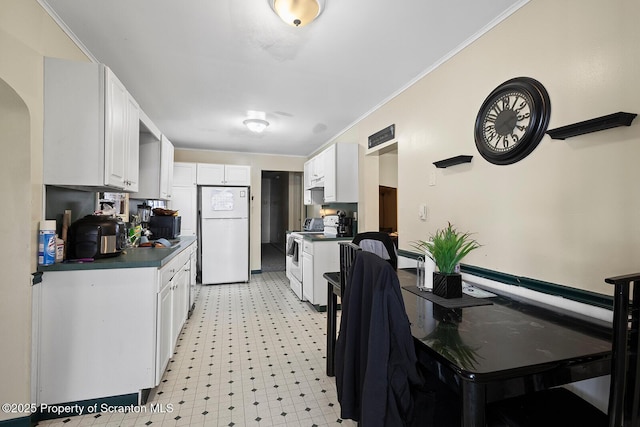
(446, 248)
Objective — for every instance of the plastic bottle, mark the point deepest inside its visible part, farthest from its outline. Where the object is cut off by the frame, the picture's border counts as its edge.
(59, 249)
(47, 242)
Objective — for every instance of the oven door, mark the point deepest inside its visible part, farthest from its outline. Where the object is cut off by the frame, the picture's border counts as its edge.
(295, 266)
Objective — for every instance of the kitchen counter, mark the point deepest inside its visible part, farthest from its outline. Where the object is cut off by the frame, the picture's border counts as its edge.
(322, 237)
(130, 258)
(129, 309)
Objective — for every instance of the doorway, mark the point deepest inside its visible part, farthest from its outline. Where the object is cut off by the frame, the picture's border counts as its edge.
(281, 208)
(388, 191)
(388, 209)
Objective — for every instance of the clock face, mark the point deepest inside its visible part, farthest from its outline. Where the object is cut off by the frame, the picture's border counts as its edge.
(512, 121)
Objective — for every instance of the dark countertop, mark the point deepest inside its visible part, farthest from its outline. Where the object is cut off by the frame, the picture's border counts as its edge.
(318, 236)
(130, 258)
(322, 237)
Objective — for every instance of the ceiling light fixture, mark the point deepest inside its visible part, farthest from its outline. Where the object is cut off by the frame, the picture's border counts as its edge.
(297, 13)
(256, 125)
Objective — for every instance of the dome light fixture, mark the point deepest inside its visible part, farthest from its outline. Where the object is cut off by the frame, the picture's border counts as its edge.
(297, 13)
(256, 125)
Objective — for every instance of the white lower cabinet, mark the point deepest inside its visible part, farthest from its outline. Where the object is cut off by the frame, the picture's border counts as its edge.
(97, 333)
(107, 332)
(173, 301)
(318, 257)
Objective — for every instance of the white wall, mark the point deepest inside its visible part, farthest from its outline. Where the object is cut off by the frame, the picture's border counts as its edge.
(389, 169)
(27, 34)
(570, 212)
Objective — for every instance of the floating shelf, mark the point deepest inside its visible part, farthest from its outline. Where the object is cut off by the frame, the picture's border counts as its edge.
(453, 161)
(593, 125)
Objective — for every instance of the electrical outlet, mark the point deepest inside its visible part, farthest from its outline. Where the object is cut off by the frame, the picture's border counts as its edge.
(422, 212)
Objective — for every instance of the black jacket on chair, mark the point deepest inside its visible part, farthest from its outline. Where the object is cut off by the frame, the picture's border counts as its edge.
(375, 354)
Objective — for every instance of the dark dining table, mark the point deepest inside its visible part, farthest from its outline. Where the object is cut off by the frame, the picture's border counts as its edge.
(505, 347)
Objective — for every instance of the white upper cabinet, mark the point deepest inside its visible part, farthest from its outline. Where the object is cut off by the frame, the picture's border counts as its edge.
(314, 172)
(91, 128)
(341, 173)
(184, 196)
(237, 175)
(308, 172)
(210, 174)
(156, 168)
(184, 174)
(334, 174)
(215, 174)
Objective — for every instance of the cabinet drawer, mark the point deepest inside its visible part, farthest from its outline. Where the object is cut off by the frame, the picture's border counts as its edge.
(307, 247)
(168, 271)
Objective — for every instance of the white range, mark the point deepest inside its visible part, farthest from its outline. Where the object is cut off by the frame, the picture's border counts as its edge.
(309, 256)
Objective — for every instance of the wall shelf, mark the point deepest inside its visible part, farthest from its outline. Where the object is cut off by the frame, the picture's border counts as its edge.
(453, 161)
(593, 125)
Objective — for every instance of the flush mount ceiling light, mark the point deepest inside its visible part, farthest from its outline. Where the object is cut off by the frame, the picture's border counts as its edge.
(256, 125)
(297, 13)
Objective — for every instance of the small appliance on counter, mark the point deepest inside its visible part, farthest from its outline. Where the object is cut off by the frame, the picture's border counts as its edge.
(313, 225)
(144, 215)
(164, 227)
(345, 226)
(338, 225)
(96, 236)
(331, 225)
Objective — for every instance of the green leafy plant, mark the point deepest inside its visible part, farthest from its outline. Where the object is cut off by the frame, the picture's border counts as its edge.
(447, 247)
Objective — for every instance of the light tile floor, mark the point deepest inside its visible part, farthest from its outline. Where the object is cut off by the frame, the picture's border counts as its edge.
(251, 354)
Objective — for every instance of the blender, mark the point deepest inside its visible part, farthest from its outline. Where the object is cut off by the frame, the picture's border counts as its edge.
(144, 213)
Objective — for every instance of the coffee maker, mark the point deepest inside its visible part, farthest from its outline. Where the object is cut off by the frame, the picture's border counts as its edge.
(345, 225)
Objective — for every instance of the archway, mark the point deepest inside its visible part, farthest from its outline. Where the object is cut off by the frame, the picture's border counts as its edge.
(17, 253)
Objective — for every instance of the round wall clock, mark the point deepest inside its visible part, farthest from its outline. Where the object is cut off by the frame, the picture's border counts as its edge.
(512, 120)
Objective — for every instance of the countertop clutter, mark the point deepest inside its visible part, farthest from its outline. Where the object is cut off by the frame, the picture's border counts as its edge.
(130, 258)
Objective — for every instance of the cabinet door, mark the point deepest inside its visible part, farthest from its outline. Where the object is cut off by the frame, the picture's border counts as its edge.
(116, 123)
(319, 167)
(184, 174)
(210, 174)
(180, 301)
(308, 172)
(237, 175)
(164, 321)
(166, 168)
(185, 201)
(132, 147)
(330, 174)
(307, 277)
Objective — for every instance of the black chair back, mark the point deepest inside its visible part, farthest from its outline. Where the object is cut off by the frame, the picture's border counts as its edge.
(348, 253)
(624, 395)
(378, 243)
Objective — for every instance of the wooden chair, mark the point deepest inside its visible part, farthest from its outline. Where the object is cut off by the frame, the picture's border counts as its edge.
(560, 407)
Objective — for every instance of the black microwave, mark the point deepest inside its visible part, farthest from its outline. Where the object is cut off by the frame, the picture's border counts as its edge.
(164, 227)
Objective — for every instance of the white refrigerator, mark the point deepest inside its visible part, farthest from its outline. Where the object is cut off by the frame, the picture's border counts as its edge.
(224, 235)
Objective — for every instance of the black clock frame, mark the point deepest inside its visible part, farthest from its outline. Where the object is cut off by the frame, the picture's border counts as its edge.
(540, 112)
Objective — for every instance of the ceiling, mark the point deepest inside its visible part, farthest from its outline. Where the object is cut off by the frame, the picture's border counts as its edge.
(196, 67)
